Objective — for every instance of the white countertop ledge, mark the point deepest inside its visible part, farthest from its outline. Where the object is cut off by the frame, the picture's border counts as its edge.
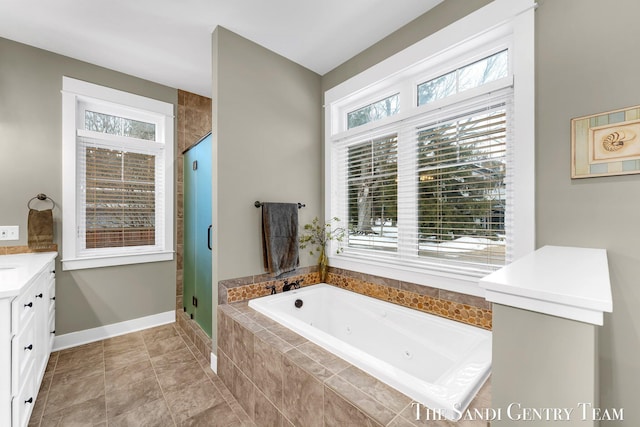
(562, 281)
(17, 271)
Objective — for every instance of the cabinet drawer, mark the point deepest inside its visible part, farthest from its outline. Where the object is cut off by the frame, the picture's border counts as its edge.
(23, 350)
(24, 401)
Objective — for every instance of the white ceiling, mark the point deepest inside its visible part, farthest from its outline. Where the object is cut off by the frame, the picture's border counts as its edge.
(169, 41)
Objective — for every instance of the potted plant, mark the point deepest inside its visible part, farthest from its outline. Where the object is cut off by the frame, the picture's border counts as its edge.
(317, 235)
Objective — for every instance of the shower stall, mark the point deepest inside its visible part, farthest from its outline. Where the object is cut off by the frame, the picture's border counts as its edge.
(197, 273)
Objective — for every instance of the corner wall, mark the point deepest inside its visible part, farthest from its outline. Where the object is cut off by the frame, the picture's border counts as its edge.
(31, 163)
(266, 144)
(582, 68)
(268, 112)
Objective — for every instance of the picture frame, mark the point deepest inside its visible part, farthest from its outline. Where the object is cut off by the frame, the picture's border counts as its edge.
(606, 144)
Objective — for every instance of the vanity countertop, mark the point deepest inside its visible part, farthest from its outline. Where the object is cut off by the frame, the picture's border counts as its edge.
(17, 271)
(561, 281)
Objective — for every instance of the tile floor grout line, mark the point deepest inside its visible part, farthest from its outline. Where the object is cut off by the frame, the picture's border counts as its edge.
(104, 377)
(155, 374)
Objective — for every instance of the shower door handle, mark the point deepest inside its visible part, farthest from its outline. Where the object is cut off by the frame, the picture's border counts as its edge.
(209, 237)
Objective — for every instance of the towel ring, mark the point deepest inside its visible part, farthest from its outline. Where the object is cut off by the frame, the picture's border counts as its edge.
(42, 197)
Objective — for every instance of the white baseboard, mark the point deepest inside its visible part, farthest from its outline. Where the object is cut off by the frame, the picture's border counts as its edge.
(86, 336)
(214, 363)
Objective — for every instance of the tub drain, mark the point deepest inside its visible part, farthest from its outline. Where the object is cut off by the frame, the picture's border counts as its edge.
(349, 330)
(408, 355)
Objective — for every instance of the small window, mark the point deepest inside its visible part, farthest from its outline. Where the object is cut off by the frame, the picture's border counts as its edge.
(117, 177)
(114, 125)
(470, 76)
(378, 110)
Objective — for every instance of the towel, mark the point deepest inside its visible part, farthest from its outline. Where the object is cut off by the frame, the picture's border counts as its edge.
(40, 229)
(280, 237)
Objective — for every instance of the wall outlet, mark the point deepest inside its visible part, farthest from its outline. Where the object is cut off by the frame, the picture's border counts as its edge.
(9, 232)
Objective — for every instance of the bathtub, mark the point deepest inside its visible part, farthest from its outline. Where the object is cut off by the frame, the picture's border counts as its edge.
(437, 362)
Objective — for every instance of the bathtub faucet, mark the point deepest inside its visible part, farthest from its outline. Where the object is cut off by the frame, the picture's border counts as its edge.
(286, 286)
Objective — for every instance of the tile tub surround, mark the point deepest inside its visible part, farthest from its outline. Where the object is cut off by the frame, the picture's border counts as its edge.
(282, 379)
(472, 310)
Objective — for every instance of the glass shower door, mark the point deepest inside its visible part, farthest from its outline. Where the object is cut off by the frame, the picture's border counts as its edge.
(197, 253)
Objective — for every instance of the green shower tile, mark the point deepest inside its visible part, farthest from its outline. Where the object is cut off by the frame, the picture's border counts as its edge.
(599, 168)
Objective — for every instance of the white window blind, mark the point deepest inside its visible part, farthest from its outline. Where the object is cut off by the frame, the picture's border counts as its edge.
(117, 177)
(372, 168)
(430, 190)
(119, 202)
(461, 179)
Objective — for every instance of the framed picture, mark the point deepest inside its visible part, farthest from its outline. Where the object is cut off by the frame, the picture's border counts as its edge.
(606, 144)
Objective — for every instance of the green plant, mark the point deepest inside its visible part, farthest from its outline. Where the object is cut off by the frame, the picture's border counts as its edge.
(317, 234)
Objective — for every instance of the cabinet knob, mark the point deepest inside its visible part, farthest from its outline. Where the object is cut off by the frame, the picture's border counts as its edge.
(53, 332)
(29, 347)
(29, 400)
(39, 295)
(29, 305)
(53, 298)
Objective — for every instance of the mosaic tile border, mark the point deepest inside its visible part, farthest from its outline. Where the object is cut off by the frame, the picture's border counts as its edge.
(463, 308)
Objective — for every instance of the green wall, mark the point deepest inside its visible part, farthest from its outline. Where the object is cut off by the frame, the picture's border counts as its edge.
(586, 62)
(267, 116)
(31, 163)
(575, 76)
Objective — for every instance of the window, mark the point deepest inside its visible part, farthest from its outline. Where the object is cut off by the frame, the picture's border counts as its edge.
(118, 157)
(436, 180)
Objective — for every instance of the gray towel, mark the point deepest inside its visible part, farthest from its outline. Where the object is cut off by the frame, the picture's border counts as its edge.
(280, 237)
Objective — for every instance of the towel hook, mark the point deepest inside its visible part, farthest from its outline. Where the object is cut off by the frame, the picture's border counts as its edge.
(42, 197)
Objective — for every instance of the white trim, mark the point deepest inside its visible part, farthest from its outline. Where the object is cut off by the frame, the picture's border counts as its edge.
(214, 363)
(109, 261)
(500, 24)
(74, 339)
(76, 93)
(85, 89)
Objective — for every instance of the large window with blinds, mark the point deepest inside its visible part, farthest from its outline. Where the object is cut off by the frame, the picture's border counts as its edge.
(424, 162)
(121, 186)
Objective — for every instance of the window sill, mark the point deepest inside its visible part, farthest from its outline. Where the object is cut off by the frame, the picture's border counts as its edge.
(115, 260)
(420, 276)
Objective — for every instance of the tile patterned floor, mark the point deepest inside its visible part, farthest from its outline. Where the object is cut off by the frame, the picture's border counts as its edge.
(149, 378)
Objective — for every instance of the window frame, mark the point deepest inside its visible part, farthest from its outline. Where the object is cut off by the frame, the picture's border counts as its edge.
(503, 24)
(78, 96)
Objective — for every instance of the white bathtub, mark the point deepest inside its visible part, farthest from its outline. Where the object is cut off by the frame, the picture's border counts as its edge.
(437, 362)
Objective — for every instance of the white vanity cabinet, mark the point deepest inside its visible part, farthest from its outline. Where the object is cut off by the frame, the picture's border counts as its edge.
(27, 329)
